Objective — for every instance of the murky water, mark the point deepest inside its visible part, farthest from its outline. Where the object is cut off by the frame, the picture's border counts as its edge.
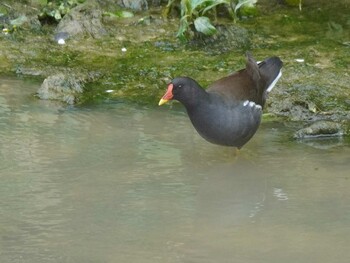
(120, 183)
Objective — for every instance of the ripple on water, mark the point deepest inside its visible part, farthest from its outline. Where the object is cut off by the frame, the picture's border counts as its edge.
(122, 183)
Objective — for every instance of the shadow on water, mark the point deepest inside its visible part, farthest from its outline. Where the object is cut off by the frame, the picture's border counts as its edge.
(121, 183)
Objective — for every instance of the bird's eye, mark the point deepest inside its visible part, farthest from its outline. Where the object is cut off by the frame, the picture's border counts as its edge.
(180, 86)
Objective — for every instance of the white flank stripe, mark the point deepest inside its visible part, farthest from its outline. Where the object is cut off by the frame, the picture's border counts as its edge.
(274, 82)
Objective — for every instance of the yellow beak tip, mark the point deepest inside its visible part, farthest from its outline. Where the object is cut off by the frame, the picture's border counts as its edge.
(162, 101)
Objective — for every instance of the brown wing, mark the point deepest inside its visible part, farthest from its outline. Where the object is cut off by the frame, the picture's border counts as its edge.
(241, 85)
(251, 83)
(237, 86)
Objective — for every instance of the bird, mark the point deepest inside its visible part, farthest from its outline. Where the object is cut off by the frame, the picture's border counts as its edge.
(229, 111)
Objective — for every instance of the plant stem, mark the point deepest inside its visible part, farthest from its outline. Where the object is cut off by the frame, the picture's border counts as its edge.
(6, 5)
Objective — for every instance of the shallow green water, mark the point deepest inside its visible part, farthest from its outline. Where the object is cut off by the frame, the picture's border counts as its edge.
(121, 183)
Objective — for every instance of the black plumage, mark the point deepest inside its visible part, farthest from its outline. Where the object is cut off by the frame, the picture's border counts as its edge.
(229, 112)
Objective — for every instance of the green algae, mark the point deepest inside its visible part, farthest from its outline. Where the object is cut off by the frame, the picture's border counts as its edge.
(152, 57)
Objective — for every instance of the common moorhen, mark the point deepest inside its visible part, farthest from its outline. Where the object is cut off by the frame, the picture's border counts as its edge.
(229, 112)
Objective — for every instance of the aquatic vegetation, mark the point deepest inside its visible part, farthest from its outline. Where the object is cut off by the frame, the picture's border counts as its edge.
(56, 9)
(119, 14)
(197, 15)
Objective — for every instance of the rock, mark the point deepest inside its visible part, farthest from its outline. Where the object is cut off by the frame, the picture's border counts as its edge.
(31, 71)
(84, 19)
(321, 129)
(19, 21)
(228, 37)
(293, 108)
(138, 5)
(61, 87)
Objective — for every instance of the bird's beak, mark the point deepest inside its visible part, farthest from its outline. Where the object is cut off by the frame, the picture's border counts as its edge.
(167, 96)
(162, 101)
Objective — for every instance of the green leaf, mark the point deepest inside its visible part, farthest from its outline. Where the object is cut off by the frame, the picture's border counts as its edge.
(57, 15)
(186, 8)
(214, 4)
(124, 14)
(241, 3)
(195, 3)
(203, 25)
(167, 9)
(181, 34)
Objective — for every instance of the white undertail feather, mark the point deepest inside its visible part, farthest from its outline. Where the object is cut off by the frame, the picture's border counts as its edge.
(274, 82)
(251, 104)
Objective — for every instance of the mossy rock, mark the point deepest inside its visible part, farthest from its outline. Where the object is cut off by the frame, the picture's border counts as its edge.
(321, 129)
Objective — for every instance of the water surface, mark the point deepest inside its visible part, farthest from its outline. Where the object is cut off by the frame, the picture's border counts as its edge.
(120, 183)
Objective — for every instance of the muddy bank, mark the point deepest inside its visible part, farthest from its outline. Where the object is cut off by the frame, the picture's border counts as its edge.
(133, 58)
